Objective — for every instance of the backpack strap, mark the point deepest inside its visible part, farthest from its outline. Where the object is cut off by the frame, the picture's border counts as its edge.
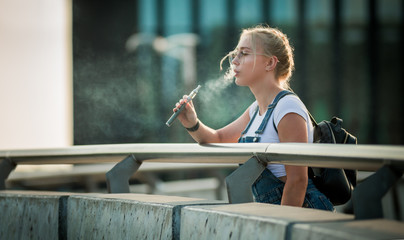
(313, 121)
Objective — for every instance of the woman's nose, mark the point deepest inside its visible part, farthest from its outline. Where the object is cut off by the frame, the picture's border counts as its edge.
(235, 61)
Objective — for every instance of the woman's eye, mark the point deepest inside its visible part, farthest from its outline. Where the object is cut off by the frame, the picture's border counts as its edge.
(243, 53)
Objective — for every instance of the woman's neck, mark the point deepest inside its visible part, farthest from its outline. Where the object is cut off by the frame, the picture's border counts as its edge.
(265, 93)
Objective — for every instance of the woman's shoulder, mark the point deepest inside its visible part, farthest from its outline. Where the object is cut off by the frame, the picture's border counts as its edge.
(289, 104)
(291, 101)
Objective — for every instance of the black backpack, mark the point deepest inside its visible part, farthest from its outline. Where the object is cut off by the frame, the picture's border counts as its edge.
(336, 184)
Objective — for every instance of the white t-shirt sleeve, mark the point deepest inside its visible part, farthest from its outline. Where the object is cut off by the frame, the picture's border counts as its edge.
(289, 104)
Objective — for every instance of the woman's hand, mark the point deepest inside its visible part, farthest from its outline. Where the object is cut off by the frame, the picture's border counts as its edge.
(187, 117)
(205, 134)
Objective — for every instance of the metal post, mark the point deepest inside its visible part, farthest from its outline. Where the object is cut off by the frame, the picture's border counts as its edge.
(118, 177)
(337, 59)
(367, 196)
(265, 11)
(373, 63)
(301, 50)
(6, 166)
(239, 183)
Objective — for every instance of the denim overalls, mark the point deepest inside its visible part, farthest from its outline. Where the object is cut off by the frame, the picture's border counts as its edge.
(268, 188)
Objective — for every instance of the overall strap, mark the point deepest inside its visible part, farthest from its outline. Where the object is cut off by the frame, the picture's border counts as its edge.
(250, 122)
(271, 108)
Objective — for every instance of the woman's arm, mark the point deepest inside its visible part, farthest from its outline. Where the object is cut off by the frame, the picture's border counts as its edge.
(293, 128)
(205, 134)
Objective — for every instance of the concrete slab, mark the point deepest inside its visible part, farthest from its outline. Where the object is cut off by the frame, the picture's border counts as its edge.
(351, 230)
(52, 215)
(248, 221)
(127, 216)
(29, 214)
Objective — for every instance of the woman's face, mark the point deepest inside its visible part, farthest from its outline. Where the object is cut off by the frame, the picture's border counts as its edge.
(246, 72)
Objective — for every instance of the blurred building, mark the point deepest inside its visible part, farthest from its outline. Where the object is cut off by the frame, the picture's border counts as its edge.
(129, 68)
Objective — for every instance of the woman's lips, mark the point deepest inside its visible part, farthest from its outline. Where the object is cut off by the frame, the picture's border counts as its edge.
(236, 73)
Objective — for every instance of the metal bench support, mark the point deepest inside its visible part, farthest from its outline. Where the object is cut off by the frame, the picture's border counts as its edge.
(6, 167)
(239, 183)
(118, 177)
(367, 196)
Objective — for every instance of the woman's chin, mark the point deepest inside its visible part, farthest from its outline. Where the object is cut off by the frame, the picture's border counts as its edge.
(239, 82)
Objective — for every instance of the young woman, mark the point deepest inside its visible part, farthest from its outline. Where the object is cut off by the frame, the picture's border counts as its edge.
(263, 61)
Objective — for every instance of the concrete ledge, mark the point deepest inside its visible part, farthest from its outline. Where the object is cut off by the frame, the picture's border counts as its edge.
(126, 216)
(52, 215)
(248, 221)
(352, 230)
(29, 214)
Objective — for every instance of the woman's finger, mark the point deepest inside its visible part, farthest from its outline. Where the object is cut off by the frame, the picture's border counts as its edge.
(191, 104)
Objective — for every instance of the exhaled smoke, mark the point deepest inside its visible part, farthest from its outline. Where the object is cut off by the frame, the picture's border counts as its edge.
(212, 88)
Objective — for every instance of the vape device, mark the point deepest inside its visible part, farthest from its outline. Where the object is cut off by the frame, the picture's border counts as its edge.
(189, 98)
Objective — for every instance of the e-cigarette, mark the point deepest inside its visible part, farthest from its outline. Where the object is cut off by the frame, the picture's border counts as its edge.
(189, 98)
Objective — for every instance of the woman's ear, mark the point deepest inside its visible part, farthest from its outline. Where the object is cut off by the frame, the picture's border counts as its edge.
(271, 64)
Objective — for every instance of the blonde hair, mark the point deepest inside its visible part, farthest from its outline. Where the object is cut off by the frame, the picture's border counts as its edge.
(273, 43)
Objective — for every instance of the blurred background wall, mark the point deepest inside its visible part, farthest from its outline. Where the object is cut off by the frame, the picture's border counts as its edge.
(36, 107)
(131, 60)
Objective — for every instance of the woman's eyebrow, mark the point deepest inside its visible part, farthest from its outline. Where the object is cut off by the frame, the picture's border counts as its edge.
(242, 48)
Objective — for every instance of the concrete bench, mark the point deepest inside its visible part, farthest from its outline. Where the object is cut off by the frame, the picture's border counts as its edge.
(52, 215)
(127, 216)
(30, 215)
(266, 221)
(352, 230)
(248, 221)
